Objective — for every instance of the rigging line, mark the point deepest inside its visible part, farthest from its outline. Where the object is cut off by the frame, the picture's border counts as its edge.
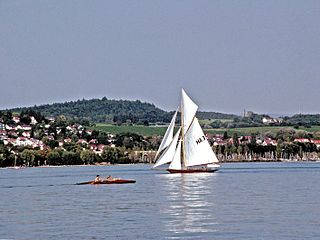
(191, 123)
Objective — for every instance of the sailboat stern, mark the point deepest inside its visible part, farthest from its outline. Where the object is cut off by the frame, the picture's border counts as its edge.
(213, 166)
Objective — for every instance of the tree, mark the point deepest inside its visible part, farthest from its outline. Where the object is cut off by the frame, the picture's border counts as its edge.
(225, 135)
(24, 118)
(110, 155)
(42, 156)
(115, 155)
(53, 144)
(2, 159)
(102, 138)
(279, 149)
(54, 158)
(6, 117)
(129, 140)
(235, 139)
(61, 120)
(253, 140)
(28, 157)
(88, 157)
(71, 158)
(74, 137)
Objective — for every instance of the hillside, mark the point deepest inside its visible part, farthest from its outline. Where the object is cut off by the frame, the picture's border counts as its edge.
(124, 111)
(112, 111)
(103, 110)
(215, 115)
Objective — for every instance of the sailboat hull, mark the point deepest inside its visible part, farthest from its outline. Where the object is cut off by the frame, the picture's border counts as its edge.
(196, 170)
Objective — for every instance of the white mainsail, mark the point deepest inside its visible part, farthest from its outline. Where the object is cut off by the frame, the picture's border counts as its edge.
(197, 147)
(188, 110)
(168, 136)
(169, 153)
(176, 162)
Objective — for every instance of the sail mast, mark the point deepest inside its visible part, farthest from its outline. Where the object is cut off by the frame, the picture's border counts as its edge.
(183, 152)
(182, 142)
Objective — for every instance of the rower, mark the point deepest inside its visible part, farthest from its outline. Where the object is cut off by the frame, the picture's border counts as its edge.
(109, 178)
(97, 179)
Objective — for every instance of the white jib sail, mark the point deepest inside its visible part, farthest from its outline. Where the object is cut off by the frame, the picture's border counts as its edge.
(168, 136)
(176, 162)
(168, 154)
(197, 147)
(189, 109)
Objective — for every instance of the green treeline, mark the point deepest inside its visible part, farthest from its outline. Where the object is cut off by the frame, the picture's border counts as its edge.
(136, 112)
(215, 115)
(103, 110)
(112, 111)
(256, 120)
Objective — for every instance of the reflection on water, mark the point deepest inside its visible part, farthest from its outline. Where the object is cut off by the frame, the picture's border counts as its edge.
(190, 208)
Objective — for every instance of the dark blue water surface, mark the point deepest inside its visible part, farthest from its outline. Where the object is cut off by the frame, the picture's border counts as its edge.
(240, 201)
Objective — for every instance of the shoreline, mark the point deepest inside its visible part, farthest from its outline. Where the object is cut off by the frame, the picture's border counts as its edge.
(106, 165)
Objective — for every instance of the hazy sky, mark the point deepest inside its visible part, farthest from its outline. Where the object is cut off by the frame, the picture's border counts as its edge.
(228, 55)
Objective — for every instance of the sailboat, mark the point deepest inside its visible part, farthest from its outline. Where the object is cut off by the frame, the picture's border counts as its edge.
(188, 150)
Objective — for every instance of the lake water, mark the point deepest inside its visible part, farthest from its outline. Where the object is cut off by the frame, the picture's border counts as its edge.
(240, 201)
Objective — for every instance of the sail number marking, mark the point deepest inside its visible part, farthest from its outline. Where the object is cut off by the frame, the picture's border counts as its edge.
(201, 139)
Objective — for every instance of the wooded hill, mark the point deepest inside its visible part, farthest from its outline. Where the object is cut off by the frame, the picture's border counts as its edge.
(113, 111)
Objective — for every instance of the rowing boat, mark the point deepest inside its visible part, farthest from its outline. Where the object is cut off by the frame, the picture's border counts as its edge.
(113, 181)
